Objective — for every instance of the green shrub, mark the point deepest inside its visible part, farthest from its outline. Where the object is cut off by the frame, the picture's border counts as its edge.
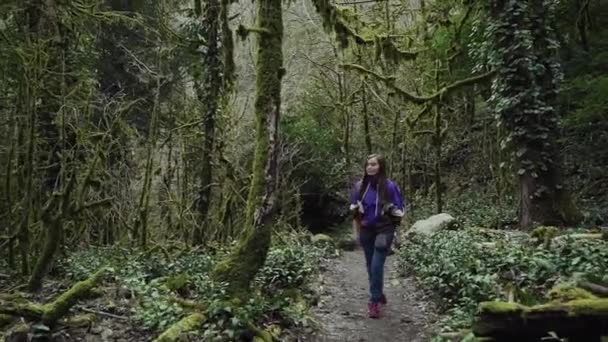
(468, 266)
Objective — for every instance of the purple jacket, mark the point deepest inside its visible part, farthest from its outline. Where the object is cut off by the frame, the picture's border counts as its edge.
(372, 204)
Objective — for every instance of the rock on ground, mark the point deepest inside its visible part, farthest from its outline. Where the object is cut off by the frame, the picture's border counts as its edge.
(431, 225)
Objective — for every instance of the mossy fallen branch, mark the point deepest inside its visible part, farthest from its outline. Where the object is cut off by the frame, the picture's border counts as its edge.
(186, 324)
(51, 312)
(437, 96)
(21, 308)
(60, 306)
(503, 320)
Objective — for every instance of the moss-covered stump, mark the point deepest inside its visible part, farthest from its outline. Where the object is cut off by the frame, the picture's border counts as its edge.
(186, 324)
(578, 320)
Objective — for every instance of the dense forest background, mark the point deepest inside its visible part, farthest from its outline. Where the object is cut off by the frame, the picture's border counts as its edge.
(145, 132)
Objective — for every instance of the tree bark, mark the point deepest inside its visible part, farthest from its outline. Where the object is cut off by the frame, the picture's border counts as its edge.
(531, 86)
(366, 130)
(241, 266)
(45, 27)
(209, 93)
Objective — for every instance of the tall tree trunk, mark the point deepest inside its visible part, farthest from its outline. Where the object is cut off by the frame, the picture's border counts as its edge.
(8, 190)
(366, 131)
(140, 228)
(241, 266)
(46, 27)
(529, 83)
(438, 137)
(582, 24)
(209, 93)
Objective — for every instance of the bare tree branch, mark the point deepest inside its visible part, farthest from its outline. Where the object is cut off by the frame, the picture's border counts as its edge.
(390, 82)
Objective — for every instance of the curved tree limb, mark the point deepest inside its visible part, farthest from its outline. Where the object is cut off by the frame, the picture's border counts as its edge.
(390, 82)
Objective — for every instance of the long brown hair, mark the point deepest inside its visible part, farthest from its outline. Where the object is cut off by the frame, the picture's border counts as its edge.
(382, 179)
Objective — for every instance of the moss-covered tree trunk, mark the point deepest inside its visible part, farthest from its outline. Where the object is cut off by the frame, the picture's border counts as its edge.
(46, 28)
(241, 266)
(209, 95)
(525, 90)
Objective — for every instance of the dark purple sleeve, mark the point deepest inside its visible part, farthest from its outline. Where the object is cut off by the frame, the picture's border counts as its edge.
(396, 197)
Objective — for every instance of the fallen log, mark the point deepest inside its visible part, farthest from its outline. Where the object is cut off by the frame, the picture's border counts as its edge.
(577, 320)
(186, 324)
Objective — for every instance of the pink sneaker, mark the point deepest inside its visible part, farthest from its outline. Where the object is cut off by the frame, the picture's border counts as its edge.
(374, 311)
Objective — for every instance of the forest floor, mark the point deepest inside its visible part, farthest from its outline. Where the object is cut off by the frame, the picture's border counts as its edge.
(342, 309)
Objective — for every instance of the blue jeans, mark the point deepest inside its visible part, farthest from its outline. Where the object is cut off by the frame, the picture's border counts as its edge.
(376, 246)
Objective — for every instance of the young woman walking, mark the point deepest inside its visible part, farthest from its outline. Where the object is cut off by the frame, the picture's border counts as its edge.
(377, 206)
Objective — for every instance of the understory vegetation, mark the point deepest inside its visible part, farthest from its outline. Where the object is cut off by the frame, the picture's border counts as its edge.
(469, 265)
(165, 165)
(157, 288)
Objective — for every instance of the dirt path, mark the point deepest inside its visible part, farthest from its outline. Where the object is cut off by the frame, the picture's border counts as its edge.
(342, 310)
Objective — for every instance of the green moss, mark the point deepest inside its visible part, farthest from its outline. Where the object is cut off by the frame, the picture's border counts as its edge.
(340, 21)
(595, 307)
(545, 234)
(497, 307)
(564, 292)
(186, 324)
(21, 307)
(241, 266)
(60, 306)
(177, 282)
(83, 320)
(588, 307)
(261, 335)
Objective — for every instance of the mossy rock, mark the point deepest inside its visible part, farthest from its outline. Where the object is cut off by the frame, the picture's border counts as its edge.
(565, 292)
(322, 239)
